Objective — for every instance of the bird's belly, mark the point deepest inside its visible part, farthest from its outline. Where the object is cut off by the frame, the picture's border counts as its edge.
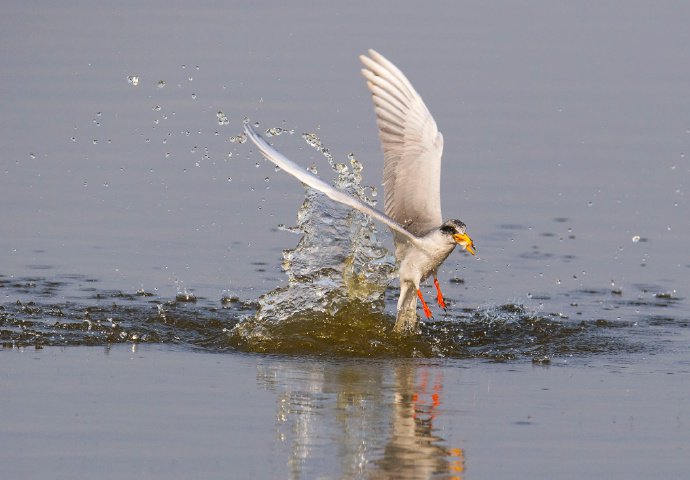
(416, 265)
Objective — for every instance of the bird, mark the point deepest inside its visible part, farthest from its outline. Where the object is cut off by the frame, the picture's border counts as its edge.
(412, 149)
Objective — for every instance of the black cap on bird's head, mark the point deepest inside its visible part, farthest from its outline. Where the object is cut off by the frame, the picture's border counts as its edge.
(456, 229)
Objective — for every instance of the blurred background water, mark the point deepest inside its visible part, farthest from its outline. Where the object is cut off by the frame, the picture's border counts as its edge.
(129, 214)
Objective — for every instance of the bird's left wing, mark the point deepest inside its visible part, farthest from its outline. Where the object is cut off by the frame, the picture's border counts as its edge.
(316, 183)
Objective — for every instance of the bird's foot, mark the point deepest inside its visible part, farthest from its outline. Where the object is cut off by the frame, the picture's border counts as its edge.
(427, 312)
(439, 295)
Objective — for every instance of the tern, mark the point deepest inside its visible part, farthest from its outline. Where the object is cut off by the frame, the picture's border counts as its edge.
(412, 149)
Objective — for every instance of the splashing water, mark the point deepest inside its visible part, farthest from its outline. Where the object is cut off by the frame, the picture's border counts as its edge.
(338, 262)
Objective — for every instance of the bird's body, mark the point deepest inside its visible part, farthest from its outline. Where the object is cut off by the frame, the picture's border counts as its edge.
(412, 147)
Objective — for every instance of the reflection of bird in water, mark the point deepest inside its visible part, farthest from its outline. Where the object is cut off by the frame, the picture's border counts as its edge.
(412, 148)
(414, 448)
(369, 422)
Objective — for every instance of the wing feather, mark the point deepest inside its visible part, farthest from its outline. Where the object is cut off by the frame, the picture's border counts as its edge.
(412, 147)
(316, 183)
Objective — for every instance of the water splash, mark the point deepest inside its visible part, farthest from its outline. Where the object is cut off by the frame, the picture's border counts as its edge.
(339, 261)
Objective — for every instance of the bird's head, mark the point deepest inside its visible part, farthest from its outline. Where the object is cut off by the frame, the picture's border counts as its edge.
(455, 229)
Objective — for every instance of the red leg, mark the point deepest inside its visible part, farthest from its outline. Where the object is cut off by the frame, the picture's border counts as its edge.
(439, 297)
(427, 312)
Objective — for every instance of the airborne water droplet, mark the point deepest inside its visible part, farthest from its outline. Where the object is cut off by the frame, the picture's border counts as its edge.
(222, 118)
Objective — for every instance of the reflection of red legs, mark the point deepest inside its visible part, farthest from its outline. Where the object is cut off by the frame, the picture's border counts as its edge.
(439, 297)
(427, 312)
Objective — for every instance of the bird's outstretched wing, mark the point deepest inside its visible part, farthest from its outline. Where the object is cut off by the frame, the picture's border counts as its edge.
(412, 147)
(316, 183)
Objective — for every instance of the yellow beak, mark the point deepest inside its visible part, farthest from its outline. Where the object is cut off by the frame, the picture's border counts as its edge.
(465, 240)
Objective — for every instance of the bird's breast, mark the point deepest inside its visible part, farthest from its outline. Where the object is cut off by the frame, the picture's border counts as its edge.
(416, 264)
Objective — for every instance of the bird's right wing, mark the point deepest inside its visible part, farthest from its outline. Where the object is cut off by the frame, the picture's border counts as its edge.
(412, 147)
(316, 183)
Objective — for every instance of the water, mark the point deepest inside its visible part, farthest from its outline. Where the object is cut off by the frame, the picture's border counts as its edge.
(147, 324)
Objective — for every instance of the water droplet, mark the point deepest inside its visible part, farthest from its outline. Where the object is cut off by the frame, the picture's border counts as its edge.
(94, 141)
(267, 179)
(589, 204)
(32, 156)
(74, 139)
(161, 83)
(133, 80)
(222, 118)
(229, 179)
(241, 138)
(193, 96)
(635, 238)
(156, 108)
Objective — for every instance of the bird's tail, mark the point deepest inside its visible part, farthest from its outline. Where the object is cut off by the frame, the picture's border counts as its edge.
(407, 309)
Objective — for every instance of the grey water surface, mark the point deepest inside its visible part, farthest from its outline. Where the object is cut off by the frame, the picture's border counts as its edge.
(142, 253)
